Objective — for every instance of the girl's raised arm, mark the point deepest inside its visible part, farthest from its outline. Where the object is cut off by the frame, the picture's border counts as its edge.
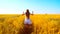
(23, 13)
(32, 13)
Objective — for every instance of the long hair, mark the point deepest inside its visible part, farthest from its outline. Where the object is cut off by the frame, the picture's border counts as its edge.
(27, 13)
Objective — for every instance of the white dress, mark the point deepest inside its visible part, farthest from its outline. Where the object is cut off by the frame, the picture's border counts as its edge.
(27, 21)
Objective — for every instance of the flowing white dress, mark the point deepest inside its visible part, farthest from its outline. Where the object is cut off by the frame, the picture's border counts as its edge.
(27, 21)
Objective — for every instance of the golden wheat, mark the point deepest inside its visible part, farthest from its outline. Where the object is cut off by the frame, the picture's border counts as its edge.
(43, 23)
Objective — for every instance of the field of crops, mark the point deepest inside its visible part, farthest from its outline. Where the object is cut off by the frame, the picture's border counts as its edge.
(43, 23)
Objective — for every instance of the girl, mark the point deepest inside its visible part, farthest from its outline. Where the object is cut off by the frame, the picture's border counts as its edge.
(27, 18)
(28, 26)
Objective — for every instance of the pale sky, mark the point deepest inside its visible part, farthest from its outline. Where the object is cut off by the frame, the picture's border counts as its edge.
(38, 6)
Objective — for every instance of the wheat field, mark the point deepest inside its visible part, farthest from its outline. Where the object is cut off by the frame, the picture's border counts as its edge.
(43, 23)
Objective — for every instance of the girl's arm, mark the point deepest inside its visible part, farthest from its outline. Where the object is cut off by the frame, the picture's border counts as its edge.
(23, 13)
(32, 13)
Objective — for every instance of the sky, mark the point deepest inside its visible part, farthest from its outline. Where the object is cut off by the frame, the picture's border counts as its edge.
(37, 6)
